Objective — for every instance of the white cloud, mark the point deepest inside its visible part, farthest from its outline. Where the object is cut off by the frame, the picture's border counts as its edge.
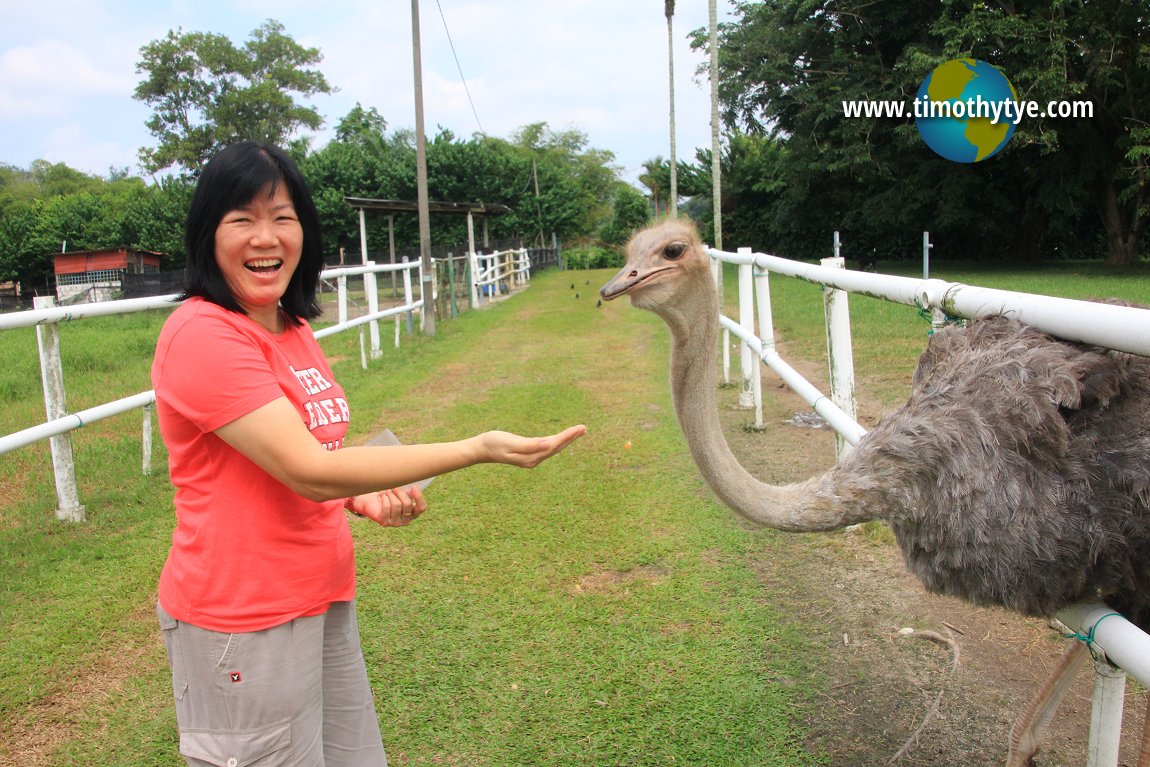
(54, 68)
(74, 144)
(599, 66)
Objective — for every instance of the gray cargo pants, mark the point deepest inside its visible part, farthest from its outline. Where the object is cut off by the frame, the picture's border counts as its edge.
(295, 695)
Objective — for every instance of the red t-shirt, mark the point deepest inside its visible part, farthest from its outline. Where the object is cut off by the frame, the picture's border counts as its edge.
(247, 553)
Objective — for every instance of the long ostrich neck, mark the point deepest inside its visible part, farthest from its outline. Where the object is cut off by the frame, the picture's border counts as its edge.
(808, 506)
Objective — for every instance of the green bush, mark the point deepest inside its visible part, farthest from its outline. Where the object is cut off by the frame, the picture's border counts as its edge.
(593, 257)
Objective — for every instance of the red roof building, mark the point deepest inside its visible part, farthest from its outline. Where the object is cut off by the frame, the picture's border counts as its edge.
(89, 276)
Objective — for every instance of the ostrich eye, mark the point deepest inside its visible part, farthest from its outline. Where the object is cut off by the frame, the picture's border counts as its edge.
(674, 250)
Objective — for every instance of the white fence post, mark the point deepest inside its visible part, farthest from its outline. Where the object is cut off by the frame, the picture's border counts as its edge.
(407, 300)
(763, 306)
(751, 393)
(55, 403)
(1106, 715)
(371, 289)
(473, 260)
(725, 337)
(434, 297)
(840, 352)
(341, 295)
(146, 439)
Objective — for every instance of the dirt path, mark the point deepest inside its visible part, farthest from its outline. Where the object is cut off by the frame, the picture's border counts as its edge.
(852, 595)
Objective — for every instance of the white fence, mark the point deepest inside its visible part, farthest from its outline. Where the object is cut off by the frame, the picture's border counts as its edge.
(1119, 646)
(496, 273)
(46, 319)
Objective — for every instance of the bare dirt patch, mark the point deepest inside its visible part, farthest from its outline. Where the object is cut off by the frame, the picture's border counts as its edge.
(851, 595)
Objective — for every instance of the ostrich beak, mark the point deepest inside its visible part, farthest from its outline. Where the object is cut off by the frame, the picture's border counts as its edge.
(626, 279)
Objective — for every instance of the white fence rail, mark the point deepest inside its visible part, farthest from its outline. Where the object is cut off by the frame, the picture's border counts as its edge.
(46, 319)
(494, 273)
(498, 272)
(1119, 646)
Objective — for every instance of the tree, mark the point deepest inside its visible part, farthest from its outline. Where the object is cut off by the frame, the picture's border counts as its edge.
(576, 181)
(1076, 50)
(361, 126)
(656, 176)
(206, 93)
(755, 214)
(787, 66)
(629, 213)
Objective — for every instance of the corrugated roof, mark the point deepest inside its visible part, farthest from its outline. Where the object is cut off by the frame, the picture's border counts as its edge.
(405, 206)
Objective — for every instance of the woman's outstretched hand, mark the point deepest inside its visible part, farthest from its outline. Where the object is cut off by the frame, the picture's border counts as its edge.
(526, 452)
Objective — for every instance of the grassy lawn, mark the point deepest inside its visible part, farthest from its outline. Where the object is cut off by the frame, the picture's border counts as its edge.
(599, 610)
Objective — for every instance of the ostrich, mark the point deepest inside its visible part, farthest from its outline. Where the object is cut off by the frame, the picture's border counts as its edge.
(1018, 473)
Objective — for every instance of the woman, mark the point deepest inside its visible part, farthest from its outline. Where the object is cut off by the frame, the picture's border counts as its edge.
(256, 597)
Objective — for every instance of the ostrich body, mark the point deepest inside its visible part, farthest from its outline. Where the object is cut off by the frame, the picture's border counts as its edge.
(1018, 473)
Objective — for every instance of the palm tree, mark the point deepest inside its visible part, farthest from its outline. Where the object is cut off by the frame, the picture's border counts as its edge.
(669, 9)
(654, 177)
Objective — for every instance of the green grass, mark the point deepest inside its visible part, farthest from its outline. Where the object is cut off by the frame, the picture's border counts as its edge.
(600, 610)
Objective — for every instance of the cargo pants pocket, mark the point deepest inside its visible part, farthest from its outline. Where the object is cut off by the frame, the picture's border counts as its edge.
(237, 748)
(168, 626)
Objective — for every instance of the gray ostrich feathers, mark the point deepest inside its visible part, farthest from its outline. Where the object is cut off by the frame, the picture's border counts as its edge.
(1017, 474)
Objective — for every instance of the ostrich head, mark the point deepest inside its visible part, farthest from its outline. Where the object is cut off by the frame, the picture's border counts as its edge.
(667, 271)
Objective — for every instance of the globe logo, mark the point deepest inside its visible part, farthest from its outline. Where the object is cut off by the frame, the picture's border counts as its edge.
(957, 106)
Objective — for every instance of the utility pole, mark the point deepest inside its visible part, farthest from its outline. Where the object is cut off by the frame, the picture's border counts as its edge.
(423, 204)
(669, 11)
(538, 210)
(716, 144)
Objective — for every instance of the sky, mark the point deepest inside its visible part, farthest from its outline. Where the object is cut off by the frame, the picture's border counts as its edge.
(68, 70)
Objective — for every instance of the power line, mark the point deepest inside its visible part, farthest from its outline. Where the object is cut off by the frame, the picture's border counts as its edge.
(460, 68)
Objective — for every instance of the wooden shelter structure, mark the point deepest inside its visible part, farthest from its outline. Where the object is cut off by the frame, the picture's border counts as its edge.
(472, 210)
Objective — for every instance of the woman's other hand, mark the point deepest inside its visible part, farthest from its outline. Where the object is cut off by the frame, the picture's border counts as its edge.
(391, 508)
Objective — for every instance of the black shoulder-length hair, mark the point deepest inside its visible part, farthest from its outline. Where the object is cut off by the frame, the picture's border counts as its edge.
(231, 180)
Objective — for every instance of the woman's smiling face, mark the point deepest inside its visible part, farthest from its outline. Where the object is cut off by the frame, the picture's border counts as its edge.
(258, 247)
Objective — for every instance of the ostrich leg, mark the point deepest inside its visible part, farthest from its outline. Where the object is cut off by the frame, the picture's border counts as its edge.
(1030, 728)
